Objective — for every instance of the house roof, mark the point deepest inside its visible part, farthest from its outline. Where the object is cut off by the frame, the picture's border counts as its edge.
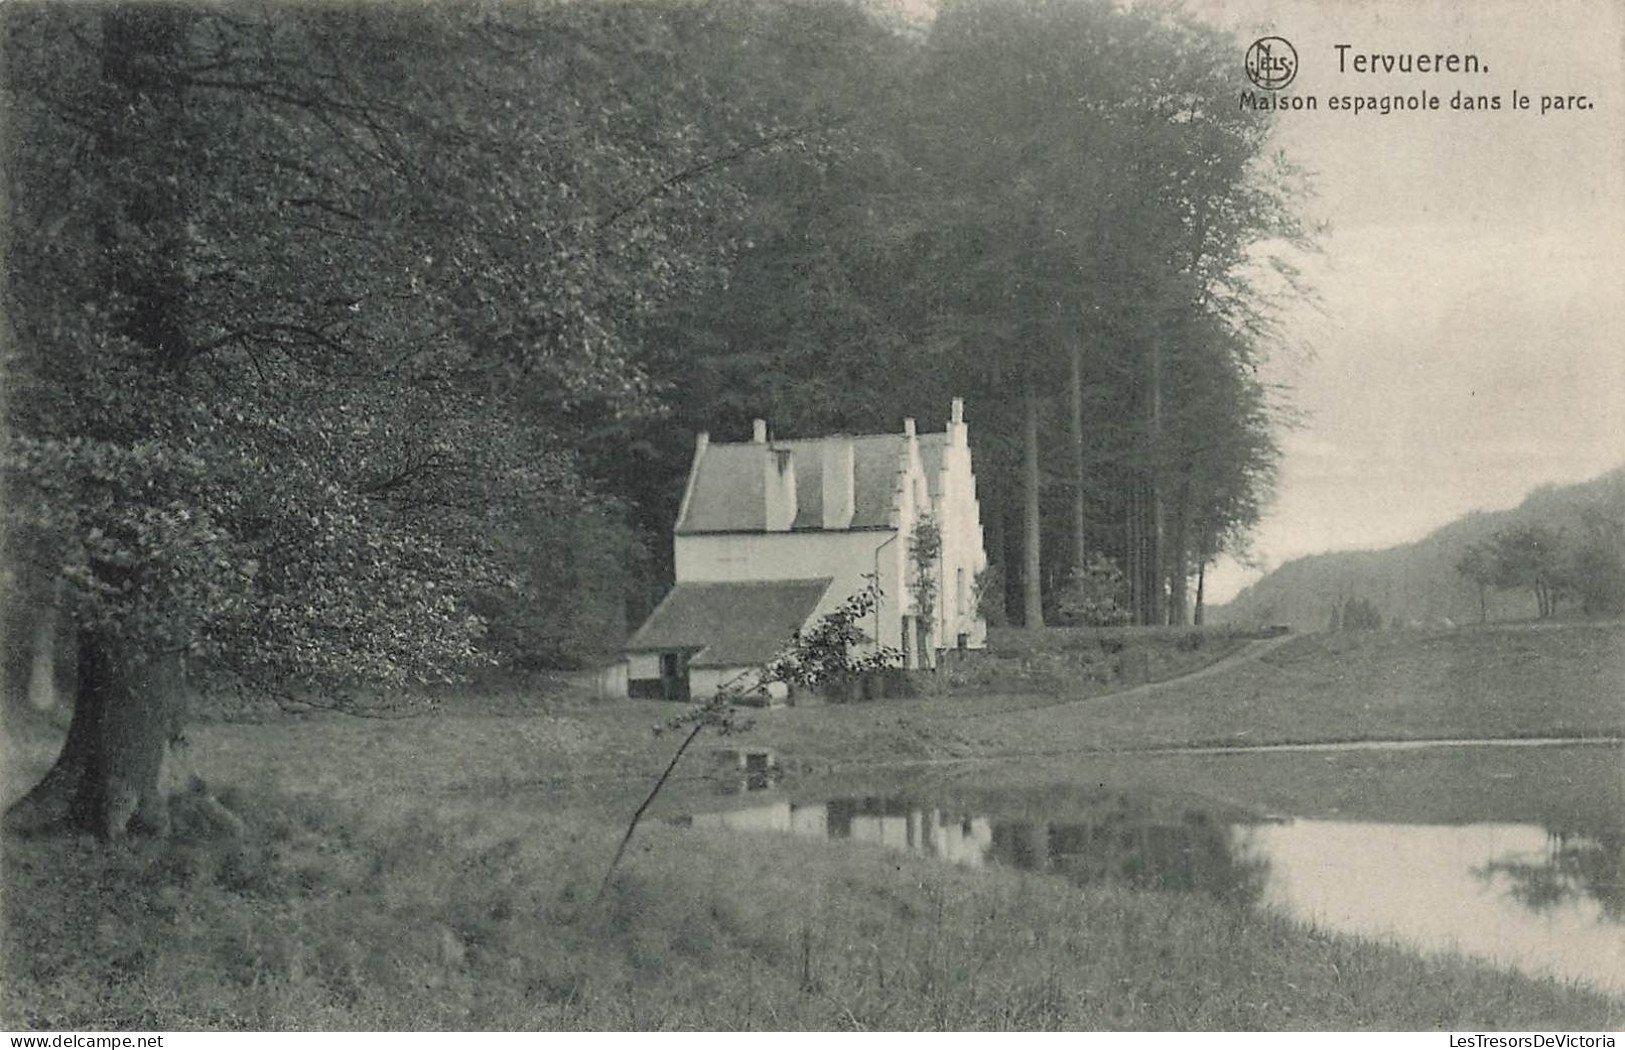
(728, 494)
(730, 624)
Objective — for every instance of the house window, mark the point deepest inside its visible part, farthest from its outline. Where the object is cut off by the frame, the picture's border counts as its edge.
(961, 596)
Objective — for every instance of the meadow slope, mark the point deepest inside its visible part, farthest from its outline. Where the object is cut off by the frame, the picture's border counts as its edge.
(443, 872)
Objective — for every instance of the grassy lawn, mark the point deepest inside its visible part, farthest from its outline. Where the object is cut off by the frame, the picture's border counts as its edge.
(482, 917)
(442, 872)
(1025, 669)
(1475, 683)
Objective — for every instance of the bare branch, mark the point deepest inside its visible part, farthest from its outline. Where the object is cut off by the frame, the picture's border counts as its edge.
(711, 164)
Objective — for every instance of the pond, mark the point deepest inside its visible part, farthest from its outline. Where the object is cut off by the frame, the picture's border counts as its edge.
(1542, 895)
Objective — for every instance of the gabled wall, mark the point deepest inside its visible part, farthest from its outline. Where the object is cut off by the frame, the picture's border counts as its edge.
(958, 511)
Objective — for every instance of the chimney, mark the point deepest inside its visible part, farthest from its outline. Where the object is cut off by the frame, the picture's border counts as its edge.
(779, 489)
(839, 491)
(958, 433)
(758, 431)
(908, 427)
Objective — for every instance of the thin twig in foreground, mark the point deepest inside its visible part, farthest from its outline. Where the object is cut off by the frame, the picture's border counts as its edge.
(633, 825)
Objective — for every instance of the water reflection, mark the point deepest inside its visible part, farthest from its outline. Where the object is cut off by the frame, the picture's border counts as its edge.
(1570, 868)
(1188, 851)
(743, 771)
(1474, 888)
(1516, 894)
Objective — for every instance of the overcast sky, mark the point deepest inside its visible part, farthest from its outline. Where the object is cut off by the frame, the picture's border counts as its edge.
(1471, 339)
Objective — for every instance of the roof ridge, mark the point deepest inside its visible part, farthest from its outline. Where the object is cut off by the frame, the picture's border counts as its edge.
(754, 582)
(781, 442)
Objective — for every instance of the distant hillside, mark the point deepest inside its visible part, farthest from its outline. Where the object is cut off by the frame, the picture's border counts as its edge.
(1417, 583)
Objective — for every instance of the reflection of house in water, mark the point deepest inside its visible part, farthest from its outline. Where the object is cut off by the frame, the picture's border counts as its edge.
(1193, 853)
(776, 816)
(932, 832)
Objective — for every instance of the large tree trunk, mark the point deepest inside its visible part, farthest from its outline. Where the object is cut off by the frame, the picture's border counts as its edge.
(1156, 573)
(127, 706)
(108, 777)
(1201, 583)
(1179, 560)
(998, 559)
(1032, 578)
(1178, 578)
(1135, 548)
(1080, 524)
(1149, 606)
(144, 233)
(42, 664)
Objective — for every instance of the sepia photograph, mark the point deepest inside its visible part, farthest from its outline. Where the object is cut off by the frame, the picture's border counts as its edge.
(812, 515)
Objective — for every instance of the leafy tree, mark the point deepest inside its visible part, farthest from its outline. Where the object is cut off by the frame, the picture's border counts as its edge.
(1531, 555)
(1594, 565)
(314, 296)
(1224, 463)
(925, 555)
(795, 333)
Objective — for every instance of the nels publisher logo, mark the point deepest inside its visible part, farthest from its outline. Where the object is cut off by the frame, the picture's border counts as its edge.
(1271, 62)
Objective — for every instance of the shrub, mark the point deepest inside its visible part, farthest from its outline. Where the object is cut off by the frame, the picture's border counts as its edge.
(827, 653)
(1092, 595)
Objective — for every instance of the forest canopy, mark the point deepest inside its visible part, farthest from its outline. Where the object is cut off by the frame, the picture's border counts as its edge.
(366, 343)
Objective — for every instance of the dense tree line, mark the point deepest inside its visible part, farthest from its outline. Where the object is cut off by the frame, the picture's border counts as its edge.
(1584, 567)
(1451, 575)
(365, 343)
(1047, 208)
(305, 304)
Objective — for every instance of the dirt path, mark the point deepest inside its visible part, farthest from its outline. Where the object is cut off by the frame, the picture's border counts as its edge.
(1245, 655)
(1249, 653)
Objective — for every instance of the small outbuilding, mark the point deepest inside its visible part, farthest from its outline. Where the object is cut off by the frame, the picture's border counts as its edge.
(705, 635)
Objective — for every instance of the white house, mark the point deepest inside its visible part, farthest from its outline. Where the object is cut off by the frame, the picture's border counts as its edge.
(774, 534)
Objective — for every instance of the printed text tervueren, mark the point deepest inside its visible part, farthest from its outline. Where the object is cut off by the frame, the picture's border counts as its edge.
(1351, 61)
